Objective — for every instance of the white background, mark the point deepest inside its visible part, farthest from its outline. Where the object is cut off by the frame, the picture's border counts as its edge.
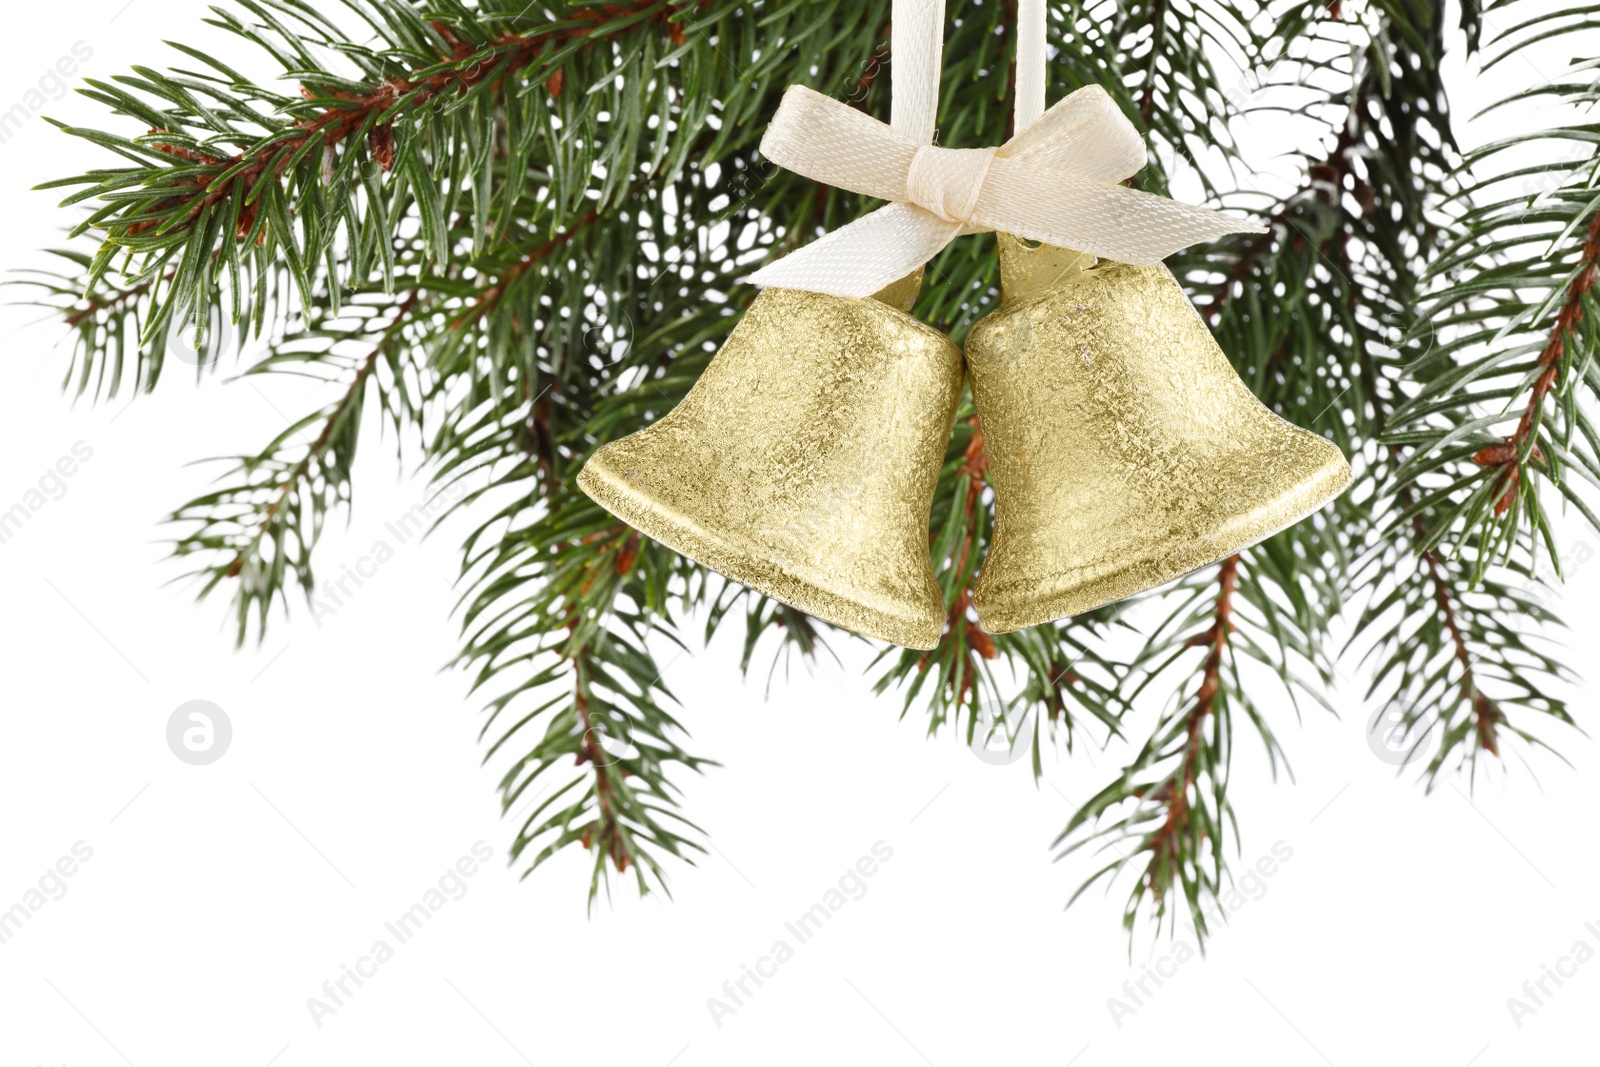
(219, 898)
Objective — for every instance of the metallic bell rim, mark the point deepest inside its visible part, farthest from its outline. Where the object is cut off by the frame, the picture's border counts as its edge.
(798, 590)
(1210, 548)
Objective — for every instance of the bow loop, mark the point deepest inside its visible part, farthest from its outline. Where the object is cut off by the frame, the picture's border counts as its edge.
(1085, 132)
(1059, 180)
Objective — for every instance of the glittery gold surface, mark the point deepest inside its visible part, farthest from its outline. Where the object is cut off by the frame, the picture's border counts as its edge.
(803, 462)
(1028, 270)
(1124, 451)
(903, 293)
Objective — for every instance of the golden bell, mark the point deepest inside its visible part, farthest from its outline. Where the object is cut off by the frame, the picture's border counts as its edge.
(1124, 451)
(803, 462)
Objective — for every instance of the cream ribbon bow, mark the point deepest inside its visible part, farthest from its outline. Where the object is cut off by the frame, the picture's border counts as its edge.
(1056, 181)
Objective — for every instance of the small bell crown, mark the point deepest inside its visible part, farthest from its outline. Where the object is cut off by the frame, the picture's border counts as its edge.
(804, 461)
(1124, 451)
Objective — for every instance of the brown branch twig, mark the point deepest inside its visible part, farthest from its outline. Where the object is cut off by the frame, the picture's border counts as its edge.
(606, 830)
(1520, 447)
(490, 296)
(114, 303)
(320, 445)
(1486, 713)
(1325, 179)
(1162, 843)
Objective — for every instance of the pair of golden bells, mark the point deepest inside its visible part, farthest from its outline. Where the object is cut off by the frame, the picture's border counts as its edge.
(1124, 452)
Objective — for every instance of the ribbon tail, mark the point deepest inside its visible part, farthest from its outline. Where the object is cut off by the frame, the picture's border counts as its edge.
(859, 259)
(1104, 218)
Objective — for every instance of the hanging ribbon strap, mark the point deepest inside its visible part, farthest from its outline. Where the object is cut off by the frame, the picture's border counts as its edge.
(1056, 181)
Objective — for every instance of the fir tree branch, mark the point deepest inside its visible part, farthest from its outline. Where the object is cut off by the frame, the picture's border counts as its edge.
(259, 530)
(1466, 496)
(569, 197)
(1166, 854)
(491, 294)
(1168, 812)
(1509, 299)
(1520, 447)
(1484, 712)
(1304, 318)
